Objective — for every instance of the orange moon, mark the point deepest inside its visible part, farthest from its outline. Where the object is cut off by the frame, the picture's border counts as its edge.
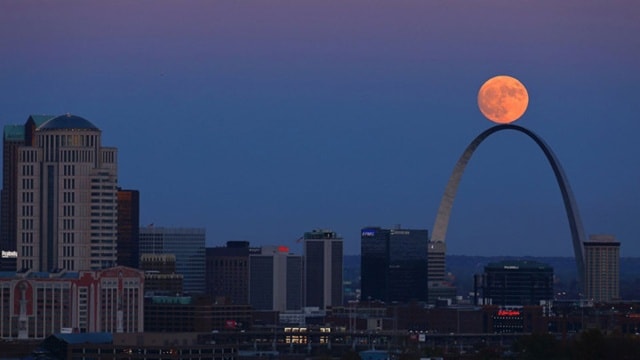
(503, 99)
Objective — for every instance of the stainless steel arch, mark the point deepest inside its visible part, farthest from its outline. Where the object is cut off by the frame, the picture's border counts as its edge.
(575, 223)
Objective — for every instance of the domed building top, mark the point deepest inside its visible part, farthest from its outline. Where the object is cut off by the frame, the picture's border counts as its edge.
(68, 121)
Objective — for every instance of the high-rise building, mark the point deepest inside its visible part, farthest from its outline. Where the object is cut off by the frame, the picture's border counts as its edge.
(374, 262)
(65, 206)
(187, 244)
(394, 264)
(439, 287)
(128, 227)
(275, 279)
(602, 268)
(517, 283)
(436, 259)
(227, 272)
(14, 136)
(323, 261)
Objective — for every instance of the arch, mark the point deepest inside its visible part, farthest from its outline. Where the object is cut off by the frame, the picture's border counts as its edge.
(575, 223)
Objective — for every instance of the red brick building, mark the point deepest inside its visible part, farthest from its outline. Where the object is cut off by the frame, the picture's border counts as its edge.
(34, 305)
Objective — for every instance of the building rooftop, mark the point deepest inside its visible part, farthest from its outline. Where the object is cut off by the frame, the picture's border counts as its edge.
(14, 132)
(86, 338)
(39, 275)
(317, 234)
(40, 119)
(67, 121)
(518, 264)
(181, 300)
(602, 239)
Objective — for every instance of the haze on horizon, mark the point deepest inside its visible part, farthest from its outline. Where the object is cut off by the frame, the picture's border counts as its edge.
(262, 120)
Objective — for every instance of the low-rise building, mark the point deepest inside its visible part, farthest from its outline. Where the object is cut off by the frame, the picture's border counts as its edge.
(160, 277)
(34, 305)
(517, 283)
(147, 346)
(194, 314)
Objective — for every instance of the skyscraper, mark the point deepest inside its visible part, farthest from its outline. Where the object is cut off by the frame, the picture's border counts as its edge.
(275, 279)
(374, 262)
(187, 244)
(66, 196)
(439, 287)
(14, 136)
(128, 227)
(227, 272)
(323, 260)
(602, 268)
(394, 264)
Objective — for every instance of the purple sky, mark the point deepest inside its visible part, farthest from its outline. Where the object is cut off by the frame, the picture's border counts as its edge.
(260, 120)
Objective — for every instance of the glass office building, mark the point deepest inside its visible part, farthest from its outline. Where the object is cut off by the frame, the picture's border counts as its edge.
(394, 264)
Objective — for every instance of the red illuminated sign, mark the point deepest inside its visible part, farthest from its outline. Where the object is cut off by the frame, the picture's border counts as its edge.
(230, 324)
(283, 249)
(508, 313)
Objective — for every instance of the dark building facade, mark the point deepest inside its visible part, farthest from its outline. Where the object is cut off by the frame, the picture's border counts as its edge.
(141, 346)
(394, 264)
(460, 319)
(14, 136)
(160, 277)
(511, 283)
(177, 314)
(374, 262)
(227, 272)
(323, 260)
(128, 227)
(275, 279)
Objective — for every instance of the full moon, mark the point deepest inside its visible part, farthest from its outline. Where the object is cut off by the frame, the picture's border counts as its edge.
(503, 99)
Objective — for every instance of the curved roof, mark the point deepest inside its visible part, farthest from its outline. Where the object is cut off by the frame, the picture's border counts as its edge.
(68, 121)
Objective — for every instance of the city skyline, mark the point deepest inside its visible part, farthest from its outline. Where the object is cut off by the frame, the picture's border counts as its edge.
(260, 121)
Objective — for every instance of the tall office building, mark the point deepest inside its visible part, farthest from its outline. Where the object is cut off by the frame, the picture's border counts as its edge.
(323, 260)
(374, 262)
(65, 208)
(14, 137)
(394, 264)
(275, 279)
(128, 227)
(602, 268)
(188, 246)
(227, 272)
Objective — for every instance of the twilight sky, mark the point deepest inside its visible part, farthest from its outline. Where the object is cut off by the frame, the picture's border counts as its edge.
(260, 120)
